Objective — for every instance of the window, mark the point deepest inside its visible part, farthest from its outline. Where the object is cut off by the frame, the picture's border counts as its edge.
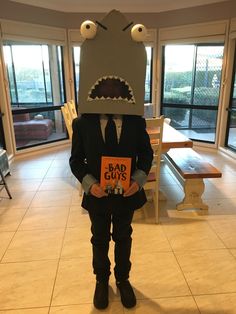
(191, 87)
(36, 83)
(231, 125)
(76, 61)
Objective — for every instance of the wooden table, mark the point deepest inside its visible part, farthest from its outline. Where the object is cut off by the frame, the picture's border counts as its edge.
(172, 138)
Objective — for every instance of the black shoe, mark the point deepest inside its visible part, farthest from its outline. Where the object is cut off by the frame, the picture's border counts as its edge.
(127, 295)
(100, 299)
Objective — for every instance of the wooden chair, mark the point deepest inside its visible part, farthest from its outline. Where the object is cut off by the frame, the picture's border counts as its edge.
(67, 118)
(72, 109)
(153, 181)
(69, 113)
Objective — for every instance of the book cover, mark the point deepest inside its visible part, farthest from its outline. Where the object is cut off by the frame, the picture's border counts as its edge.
(115, 174)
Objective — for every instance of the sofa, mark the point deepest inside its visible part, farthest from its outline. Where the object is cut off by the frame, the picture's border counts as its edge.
(31, 129)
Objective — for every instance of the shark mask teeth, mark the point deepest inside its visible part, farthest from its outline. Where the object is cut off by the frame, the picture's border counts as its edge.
(111, 88)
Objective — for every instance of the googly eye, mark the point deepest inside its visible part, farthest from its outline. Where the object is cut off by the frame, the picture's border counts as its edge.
(138, 32)
(88, 29)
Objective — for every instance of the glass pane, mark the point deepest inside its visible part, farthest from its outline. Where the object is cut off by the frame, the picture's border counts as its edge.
(178, 75)
(76, 61)
(38, 128)
(192, 75)
(36, 79)
(28, 70)
(10, 72)
(35, 74)
(208, 75)
(231, 141)
(232, 131)
(179, 116)
(234, 91)
(148, 79)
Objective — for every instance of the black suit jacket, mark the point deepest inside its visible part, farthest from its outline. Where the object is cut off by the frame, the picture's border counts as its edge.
(88, 147)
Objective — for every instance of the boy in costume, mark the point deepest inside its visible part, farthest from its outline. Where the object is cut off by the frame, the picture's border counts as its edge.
(111, 105)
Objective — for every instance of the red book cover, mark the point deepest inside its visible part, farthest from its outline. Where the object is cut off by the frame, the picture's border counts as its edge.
(115, 174)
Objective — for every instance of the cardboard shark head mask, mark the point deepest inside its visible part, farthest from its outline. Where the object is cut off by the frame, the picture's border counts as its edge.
(112, 66)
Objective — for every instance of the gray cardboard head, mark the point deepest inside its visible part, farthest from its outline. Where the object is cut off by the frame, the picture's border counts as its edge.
(112, 70)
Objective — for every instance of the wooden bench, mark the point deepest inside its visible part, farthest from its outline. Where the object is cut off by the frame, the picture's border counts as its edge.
(190, 169)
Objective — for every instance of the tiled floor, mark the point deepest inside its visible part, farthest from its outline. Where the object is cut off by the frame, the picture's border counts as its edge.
(184, 265)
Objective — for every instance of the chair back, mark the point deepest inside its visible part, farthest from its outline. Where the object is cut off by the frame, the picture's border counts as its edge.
(72, 109)
(69, 114)
(155, 131)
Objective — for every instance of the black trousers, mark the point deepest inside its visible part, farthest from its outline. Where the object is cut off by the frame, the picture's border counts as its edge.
(101, 223)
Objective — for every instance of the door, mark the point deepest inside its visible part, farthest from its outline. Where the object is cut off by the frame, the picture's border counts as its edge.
(231, 123)
(191, 88)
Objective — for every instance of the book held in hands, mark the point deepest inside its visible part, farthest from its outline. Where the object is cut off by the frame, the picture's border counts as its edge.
(115, 174)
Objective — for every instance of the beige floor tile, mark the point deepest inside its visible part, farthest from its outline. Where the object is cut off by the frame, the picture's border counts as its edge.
(113, 308)
(146, 214)
(45, 218)
(10, 218)
(185, 235)
(156, 275)
(219, 209)
(27, 311)
(75, 282)
(29, 164)
(155, 271)
(76, 198)
(52, 198)
(217, 304)
(57, 184)
(77, 243)
(173, 192)
(167, 179)
(157, 240)
(78, 217)
(60, 163)
(35, 245)
(172, 213)
(63, 154)
(26, 285)
(225, 190)
(19, 199)
(33, 173)
(227, 177)
(59, 172)
(226, 230)
(5, 239)
(19, 185)
(179, 305)
(233, 252)
(209, 271)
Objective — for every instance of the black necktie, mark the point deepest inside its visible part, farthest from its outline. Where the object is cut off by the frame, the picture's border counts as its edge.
(111, 136)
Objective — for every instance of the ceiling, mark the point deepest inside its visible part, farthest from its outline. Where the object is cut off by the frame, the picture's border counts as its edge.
(135, 6)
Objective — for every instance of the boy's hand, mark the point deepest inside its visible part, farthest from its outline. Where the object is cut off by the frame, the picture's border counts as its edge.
(134, 187)
(97, 191)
